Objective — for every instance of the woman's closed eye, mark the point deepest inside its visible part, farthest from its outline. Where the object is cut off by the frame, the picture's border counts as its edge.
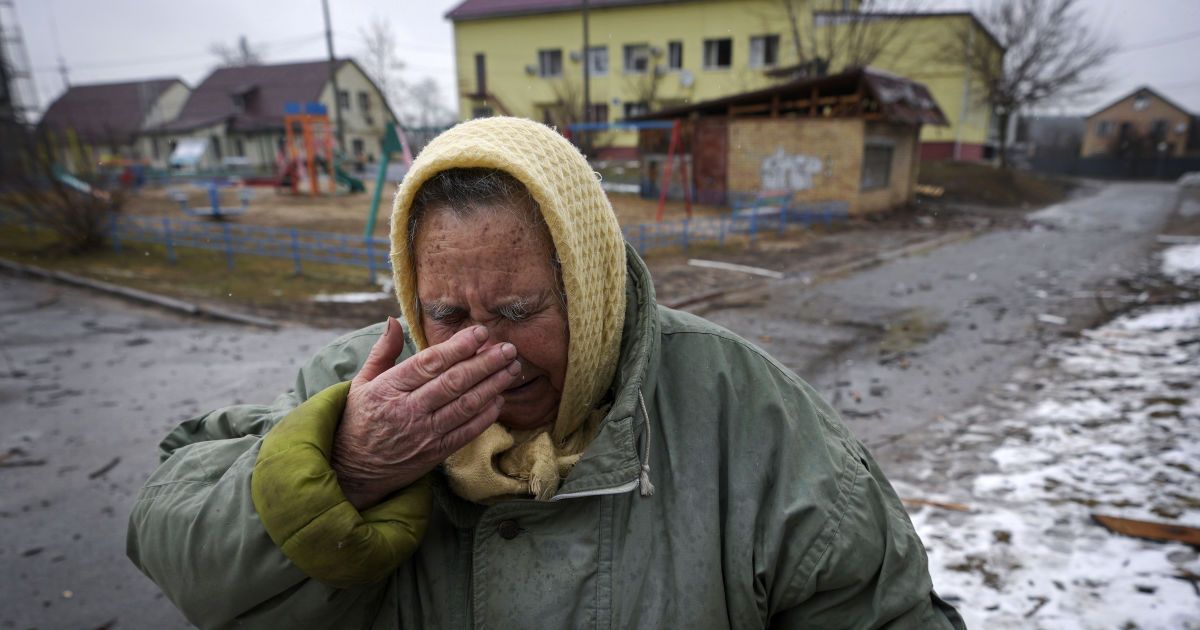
(516, 311)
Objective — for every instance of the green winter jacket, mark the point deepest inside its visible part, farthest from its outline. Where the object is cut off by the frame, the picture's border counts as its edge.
(767, 512)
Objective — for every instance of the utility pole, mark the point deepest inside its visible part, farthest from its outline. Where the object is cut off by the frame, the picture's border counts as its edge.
(337, 95)
(587, 69)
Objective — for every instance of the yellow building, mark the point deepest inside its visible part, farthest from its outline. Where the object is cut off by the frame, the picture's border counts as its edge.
(525, 58)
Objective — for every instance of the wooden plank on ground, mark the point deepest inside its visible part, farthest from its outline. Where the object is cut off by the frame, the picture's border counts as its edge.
(1162, 532)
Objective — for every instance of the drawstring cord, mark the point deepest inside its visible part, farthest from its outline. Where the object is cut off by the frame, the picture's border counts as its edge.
(647, 488)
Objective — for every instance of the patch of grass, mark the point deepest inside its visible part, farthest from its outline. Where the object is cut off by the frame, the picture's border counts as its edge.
(981, 184)
(257, 284)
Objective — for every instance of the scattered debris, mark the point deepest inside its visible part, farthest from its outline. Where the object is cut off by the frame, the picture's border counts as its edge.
(1041, 601)
(105, 468)
(1162, 532)
(716, 264)
(1047, 318)
(945, 505)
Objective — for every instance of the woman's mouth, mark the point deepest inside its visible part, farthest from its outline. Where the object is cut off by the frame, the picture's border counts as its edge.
(521, 387)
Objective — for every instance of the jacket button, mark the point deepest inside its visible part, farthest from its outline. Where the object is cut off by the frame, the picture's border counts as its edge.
(509, 529)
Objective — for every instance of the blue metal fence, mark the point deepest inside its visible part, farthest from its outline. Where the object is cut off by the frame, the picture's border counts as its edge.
(300, 246)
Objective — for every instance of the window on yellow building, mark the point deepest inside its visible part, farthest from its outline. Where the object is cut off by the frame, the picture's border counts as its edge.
(718, 53)
(674, 55)
(637, 58)
(597, 113)
(550, 63)
(636, 108)
(597, 59)
(764, 51)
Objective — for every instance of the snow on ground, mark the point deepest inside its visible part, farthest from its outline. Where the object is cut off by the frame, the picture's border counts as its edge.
(1107, 423)
(351, 298)
(1181, 262)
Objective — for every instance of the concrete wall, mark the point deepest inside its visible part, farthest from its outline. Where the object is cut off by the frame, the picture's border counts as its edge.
(818, 160)
(821, 160)
(1142, 121)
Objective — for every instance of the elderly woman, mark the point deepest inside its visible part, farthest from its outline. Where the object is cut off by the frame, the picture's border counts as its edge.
(541, 445)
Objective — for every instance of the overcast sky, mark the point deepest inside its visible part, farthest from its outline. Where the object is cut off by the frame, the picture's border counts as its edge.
(133, 39)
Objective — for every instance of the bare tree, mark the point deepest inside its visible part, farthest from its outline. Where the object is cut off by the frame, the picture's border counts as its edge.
(1051, 53)
(72, 206)
(424, 106)
(238, 55)
(839, 39)
(382, 61)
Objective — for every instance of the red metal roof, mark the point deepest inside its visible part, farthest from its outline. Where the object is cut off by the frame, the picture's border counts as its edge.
(105, 112)
(480, 9)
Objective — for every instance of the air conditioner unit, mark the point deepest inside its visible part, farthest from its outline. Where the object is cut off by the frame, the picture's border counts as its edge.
(656, 51)
(576, 56)
(530, 69)
(686, 78)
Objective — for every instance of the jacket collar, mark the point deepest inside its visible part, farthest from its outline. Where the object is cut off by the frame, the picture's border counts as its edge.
(611, 464)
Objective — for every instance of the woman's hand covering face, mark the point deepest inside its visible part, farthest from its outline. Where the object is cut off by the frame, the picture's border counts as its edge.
(402, 420)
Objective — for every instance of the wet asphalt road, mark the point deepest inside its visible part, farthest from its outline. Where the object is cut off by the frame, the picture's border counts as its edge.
(88, 386)
(897, 346)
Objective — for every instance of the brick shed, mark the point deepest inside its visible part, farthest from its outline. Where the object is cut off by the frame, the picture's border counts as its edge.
(850, 137)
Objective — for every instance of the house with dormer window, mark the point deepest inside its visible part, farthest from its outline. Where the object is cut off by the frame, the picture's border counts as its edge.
(237, 113)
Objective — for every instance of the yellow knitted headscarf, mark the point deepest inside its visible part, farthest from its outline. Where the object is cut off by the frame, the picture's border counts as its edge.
(589, 245)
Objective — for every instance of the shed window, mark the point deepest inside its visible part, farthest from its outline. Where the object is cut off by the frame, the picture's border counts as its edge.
(877, 166)
(1103, 128)
(718, 53)
(637, 58)
(481, 111)
(550, 63)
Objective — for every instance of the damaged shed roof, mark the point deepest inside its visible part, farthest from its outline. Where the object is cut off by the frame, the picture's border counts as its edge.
(857, 92)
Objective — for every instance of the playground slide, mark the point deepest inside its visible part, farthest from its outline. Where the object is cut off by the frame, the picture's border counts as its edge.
(71, 181)
(354, 184)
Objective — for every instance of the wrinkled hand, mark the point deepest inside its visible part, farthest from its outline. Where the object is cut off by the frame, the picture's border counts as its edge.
(402, 420)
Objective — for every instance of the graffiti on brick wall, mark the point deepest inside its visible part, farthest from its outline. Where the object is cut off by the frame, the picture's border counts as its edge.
(785, 171)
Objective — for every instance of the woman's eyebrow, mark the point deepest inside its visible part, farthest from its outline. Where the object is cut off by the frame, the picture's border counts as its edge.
(514, 307)
(438, 310)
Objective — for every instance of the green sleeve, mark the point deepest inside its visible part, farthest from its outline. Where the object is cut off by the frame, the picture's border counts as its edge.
(195, 530)
(301, 503)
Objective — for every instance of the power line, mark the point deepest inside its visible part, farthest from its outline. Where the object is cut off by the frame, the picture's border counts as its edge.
(143, 61)
(1161, 42)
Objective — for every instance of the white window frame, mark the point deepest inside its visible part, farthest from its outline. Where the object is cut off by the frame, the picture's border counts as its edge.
(633, 53)
(712, 53)
(675, 55)
(550, 64)
(597, 60)
(760, 45)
